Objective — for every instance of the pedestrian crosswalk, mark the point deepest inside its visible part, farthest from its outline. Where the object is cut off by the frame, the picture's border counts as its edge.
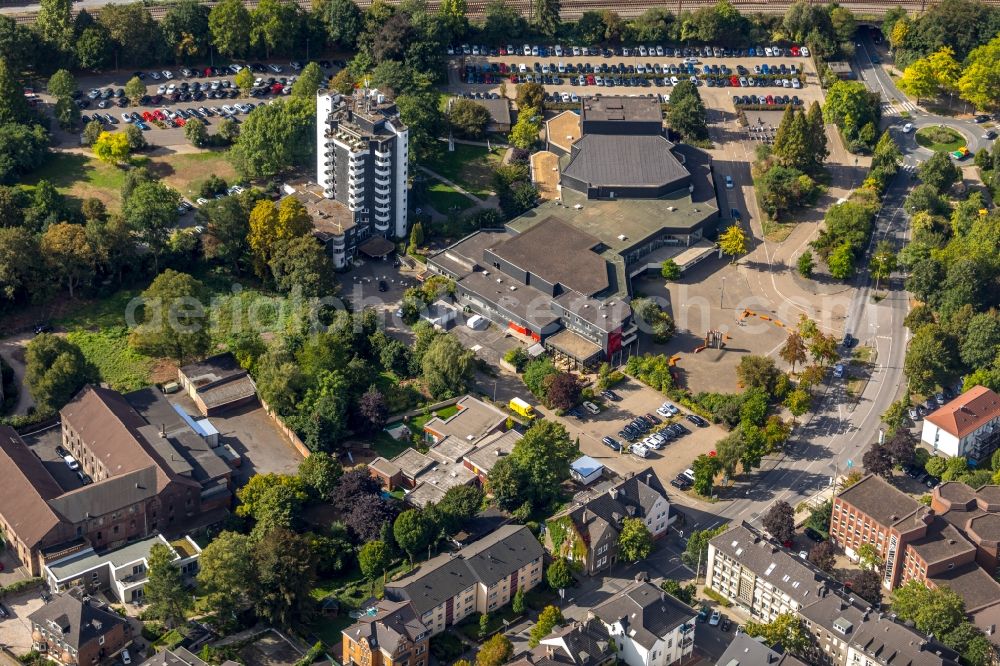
(896, 108)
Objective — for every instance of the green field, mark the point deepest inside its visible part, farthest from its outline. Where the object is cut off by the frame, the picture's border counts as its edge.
(940, 139)
(123, 368)
(445, 199)
(80, 176)
(471, 167)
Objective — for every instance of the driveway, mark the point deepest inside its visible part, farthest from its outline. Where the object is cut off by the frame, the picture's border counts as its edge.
(12, 350)
(15, 631)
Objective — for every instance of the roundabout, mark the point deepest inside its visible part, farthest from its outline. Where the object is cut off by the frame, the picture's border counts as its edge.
(940, 138)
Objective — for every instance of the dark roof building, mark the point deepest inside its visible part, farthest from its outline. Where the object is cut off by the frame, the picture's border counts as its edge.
(625, 192)
(180, 656)
(747, 651)
(73, 629)
(217, 384)
(584, 643)
(587, 530)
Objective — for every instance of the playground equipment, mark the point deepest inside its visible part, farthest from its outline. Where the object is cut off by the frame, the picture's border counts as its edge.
(714, 339)
(747, 312)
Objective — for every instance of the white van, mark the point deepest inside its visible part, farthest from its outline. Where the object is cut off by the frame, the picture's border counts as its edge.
(71, 462)
(689, 474)
(477, 323)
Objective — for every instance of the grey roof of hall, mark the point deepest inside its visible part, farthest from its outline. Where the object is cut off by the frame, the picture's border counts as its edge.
(527, 303)
(747, 651)
(106, 496)
(412, 462)
(559, 253)
(617, 160)
(499, 109)
(466, 255)
(177, 657)
(971, 582)
(755, 552)
(636, 219)
(435, 482)
(647, 613)
(877, 498)
(485, 455)
(622, 108)
(213, 368)
(81, 620)
(473, 420)
(486, 561)
(942, 542)
(451, 449)
(84, 561)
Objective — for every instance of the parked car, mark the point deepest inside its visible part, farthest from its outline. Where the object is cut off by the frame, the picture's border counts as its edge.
(126, 657)
(591, 407)
(838, 370)
(715, 618)
(703, 614)
(639, 450)
(680, 483)
(611, 443)
(611, 395)
(697, 420)
(725, 624)
(849, 341)
(814, 535)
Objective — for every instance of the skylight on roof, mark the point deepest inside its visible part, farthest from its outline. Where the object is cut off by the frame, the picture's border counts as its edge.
(785, 578)
(739, 551)
(770, 569)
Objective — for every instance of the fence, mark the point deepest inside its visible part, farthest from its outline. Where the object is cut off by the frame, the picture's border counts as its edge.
(283, 427)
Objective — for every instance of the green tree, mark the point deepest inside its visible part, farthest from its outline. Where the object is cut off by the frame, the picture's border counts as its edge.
(979, 83)
(687, 114)
(165, 591)
(270, 225)
(524, 133)
(412, 531)
(733, 241)
(495, 651)
(559, 574)
(705, 468)
(545, 16)
(936, 611)
(468, 119)
(226, 573)
(420, 112)
(543, 455)
(547, 621)
(172, 322)
(634, 541)
(756, 371)
(982, 340)
(229, 23)
(133, 31)
(54, 24)
(786, 629)
(940, 172)
(55, 370)
(696, 549)
(301, 262)
(530, 95)
(883, 261)
(928, 359)
(135, 90)
(841, 262)
(868, 557)
(150, 210)
(517, 604)
(310, 80)
(244, 80)
(61, 84)
(94, 48)
(342, 20)
(21, 263)
(185, 30)
(66, 113)
(68, 254)
(779, 521)
(92, 132)
(275, 137)
(669, 270)
(447, 367)
(373, 558)
(286, 574)
(851, 107)
(919, 80)
(196, 132)
(320, 473)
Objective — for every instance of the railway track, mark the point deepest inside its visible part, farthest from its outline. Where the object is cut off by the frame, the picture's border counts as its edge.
(571, 9)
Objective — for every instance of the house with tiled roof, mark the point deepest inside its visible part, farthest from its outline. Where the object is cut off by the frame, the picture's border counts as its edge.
(585, 643)
(586, 532)
(75, 630)
(967, 426)
(479, 578)
(388, 633)
(648, 626)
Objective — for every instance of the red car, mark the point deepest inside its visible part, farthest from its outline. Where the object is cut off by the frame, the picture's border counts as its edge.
(795, 51)
(770, 99)
(590, 79)
(180, 122)
(208, 71)
(734, 81)
(277, 88)
(513, 78)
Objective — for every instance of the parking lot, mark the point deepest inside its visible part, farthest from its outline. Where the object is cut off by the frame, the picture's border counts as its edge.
(15, 631)
(44, 444)
(636, 74)
(203, 94)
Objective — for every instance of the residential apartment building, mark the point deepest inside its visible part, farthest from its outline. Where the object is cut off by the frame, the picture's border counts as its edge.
(586, 532)
(955, 542)
(967, 426)
(747, 651)
(584, 643)
(649, 626)
(766, 580)
(122, 572)
(389, 633)
(758, 575)
(479, 578)
(151, 473)
(75, 630)
(361, 164)
(180, 656)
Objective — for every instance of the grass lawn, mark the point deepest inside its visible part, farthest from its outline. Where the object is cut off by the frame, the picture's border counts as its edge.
(80, 176)
(446, 199)
(776, 232)
(328, 629)
(103, 313)
(417, 423)
(387, 447)
(941, 139)
(472, 167)
(119, 365)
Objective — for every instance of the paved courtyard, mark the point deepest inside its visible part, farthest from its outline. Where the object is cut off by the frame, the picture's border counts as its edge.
(15, 631)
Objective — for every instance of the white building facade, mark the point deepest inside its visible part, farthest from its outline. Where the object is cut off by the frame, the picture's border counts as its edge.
(967, 426)
(362, 161)
(649, 627)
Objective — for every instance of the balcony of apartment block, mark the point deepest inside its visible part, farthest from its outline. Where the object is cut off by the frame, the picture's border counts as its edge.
(383, 154)
(382, 202)
(383, 171)
(381, 189)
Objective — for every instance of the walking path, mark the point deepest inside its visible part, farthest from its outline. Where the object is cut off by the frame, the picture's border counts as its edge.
(492, 201)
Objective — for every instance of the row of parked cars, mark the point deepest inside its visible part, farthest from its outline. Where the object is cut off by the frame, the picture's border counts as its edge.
(641, 51)
(760, 100)
(918, 411)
